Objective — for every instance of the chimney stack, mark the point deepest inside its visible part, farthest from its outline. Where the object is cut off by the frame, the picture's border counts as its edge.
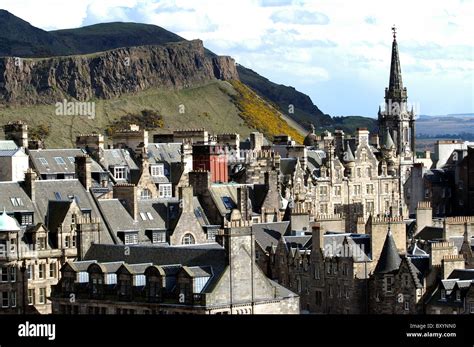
(186, 197)
(127, 194)
(30, 178)
(84, 170)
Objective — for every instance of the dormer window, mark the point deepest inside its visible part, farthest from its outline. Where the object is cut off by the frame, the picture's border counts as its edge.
(458, 295)
(131, 238)
(443, 294)
(157, 170)
(159, 237)
(120, 173)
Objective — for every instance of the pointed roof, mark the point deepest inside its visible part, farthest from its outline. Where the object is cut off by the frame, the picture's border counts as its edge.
(395, 82)
(389, 258)
(388, 141)
(348, 156)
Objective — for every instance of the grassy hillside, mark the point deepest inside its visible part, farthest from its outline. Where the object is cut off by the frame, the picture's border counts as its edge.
(260, 115)
(305, 112)
(218, 106)
(209, 106)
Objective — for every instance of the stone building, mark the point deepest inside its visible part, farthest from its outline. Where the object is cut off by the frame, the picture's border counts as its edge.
(216, 279)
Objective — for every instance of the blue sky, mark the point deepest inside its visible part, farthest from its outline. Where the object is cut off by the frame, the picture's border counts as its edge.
(337, 52)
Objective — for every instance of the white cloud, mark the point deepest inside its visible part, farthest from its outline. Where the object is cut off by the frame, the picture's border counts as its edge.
(284, 39)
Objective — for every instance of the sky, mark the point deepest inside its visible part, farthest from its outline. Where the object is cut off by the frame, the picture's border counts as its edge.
(337, 52)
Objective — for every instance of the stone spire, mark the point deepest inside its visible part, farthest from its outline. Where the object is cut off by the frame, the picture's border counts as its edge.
(395, 83)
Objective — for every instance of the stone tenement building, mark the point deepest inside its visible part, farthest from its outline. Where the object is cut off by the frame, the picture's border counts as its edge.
(174, 280)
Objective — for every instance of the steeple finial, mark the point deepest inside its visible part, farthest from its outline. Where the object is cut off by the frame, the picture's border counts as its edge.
(395, 83)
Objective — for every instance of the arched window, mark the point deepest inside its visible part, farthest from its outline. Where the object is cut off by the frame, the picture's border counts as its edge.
(188, 239)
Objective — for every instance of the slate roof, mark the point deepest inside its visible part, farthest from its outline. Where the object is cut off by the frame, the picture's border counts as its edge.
(67, 189)
(358, 246)
(287, 166)
(211, 255)
(467, 274)
(13, 190)
(164, 153)
(53, 167)
(118, 157)
(119, 220)
(9, 149)
(8, 145)
(389, 260)
(298, 242)
(430, 233)
(220, 191)
(268, 234)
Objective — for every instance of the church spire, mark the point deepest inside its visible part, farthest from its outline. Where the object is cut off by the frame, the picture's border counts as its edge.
(395, 70)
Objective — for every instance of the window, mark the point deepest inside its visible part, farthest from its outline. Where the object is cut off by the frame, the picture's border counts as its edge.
(188, 239)
(131, 239)
(317, 275)
(26, 219)
(4, 298)
(346, 292)
(157, 170)
(406, 280)
(71, 160)
(323, 190)
(458, 295)
(30, 272)
(43, 161)
(74, 241)
(57, 196)
(344, 269)
(386, 188)
(389, 284)
(142, 215)
(42, 271)
(31, 296)
(330, 291)
(370, 189)
(12, 271)
(4, 274)
(149, 215)
(120, 173)
(145, 194)
(16, 201)
(443, 294)
(59, 160)
(67, 242)
(42, 296)
(228, 203)
(357, 190)
(159, 237)
(323, 208)
(359, 172)
(52, 270)
(369, 172)
(471, 308)
(337, 190)
(370, 206)
(12, 299)
(165, 191)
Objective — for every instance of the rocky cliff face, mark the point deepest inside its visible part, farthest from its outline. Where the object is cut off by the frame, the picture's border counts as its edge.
(110, 74)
